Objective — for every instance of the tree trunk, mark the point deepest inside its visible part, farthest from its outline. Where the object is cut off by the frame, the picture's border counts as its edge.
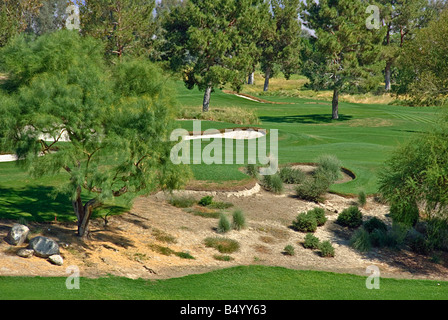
(266, 79)
(387, 73)
(84, 213)
(251, 79)
(335, 104)
(206, 103)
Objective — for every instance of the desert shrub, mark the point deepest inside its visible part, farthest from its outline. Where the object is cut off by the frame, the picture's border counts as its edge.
(222, 257)
(220, 205)
(182, 201)
(362, 198)
(289, 250)
(163, 236)
(374, 224)
(223, 224)
(319, 214)
(329, 166)
(223, 245)
(313, 188)
(305, 222)
(161, 249)
(311, 241)
(326, 249)
(239, 220)
(360, 240)
(292, 176)
(206, 201)
(184, 255)
(350, 217)
(418, 243)
(252, 170)
(273, 183)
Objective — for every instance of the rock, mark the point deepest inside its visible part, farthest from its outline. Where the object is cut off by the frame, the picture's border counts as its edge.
(17, 235)
(44, 247)
(25, 253)
(56, 259)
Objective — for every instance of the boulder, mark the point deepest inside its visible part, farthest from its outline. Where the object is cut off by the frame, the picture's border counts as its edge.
(44, 247)
(25, 253)
(56, 259)
(17, 234)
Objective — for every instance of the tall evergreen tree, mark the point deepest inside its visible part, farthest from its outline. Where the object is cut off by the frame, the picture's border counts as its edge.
(346, 51)
(126, 26)
(211, 43)
(51, 17)
(281, 43)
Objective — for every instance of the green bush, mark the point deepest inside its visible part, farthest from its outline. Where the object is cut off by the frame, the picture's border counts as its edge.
(326, 249)
(374, 224)
(223, 245)
(361, 240)
(329, 166)
(220, 205)
(252, 170)
(404, 212)
(289, 250)
(206, 201)
(362, 198)
(273, 183)
(311, 241)
(223, 224)
(239, 220)
(221, 257)
(184, 255)
(182, 201)
(292, 176)
(305, 222)
(319, 214)
(313, 188)
(350, 217)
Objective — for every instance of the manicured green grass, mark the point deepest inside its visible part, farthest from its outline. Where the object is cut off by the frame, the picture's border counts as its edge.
(238, 283)
(362, 139)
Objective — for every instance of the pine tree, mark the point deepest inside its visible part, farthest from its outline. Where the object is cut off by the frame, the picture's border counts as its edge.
(281, 43)
(346, 51)
(210, 41)
(117, 120)
(51, 17)
(126, 26)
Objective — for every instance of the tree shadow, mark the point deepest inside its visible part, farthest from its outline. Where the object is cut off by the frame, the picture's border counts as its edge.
(305, 119)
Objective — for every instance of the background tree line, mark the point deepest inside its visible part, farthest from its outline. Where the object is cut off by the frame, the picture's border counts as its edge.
(217, 42)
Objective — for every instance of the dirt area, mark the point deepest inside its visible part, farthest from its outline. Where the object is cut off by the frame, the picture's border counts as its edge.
(125, 246)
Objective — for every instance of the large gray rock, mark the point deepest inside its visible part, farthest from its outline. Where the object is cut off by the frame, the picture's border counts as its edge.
(44, 247)
(17, 234)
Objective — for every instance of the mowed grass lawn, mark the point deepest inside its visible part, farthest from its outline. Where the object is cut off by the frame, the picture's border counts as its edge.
(238, 283)
(363, 139)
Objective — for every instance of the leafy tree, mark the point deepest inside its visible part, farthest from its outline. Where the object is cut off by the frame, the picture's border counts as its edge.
(424, 64)
(416, 176)
(117, 121)
(281, 42)
(126, 26)
(51, 16)
(209, 43)
(15, 17)
(346, 51)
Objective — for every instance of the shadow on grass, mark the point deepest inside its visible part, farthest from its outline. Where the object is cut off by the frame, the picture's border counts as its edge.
(306, 119)
(39, 204)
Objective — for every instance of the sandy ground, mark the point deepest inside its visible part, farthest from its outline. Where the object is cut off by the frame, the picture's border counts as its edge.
(125, 246)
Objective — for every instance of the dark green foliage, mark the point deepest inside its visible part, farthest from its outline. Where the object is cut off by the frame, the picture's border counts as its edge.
(313, 188)
(289, 250)
(223, 224)
(220, 205)
(273, 183)
(319, 215)
(350, 217)
(374, 224)
(311, 241)
(182, 201)
(239, 220)
(206, 201)
(404, 212)
(252, 170)
(184, 255)
(223, 245)
(326, 249)
(361, 240)
(221, 257)
(292, 176)
(362, 199)
(305, 222)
